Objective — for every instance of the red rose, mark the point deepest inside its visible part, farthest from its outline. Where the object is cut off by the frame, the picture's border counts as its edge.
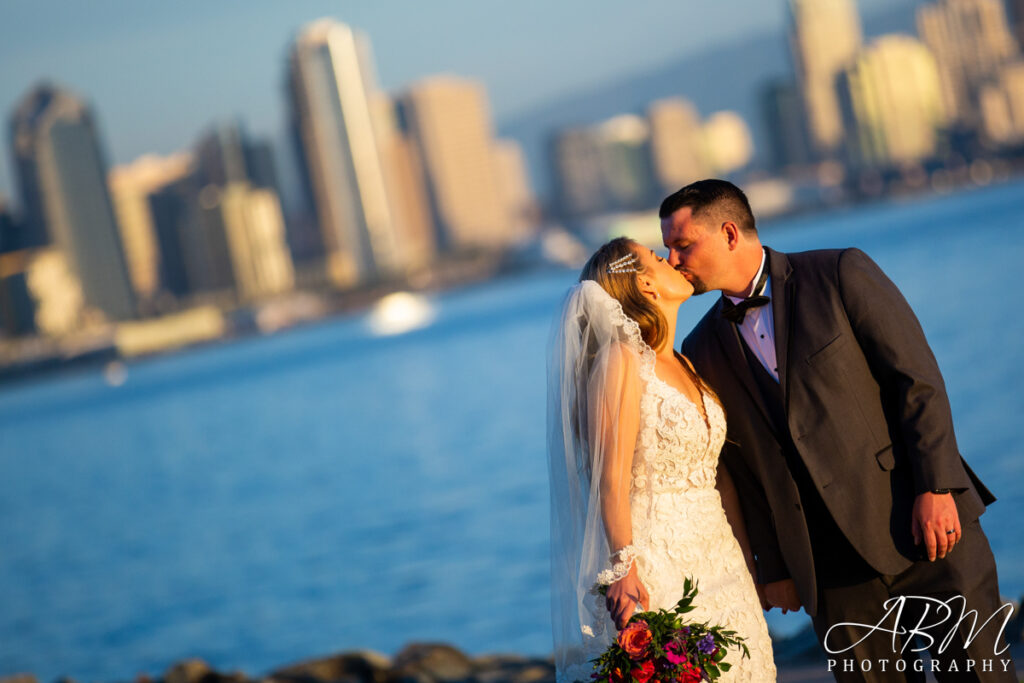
(635, 639)
(689, 673)
(644, 672)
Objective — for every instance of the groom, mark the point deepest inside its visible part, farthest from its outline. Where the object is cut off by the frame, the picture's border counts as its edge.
(841, 446)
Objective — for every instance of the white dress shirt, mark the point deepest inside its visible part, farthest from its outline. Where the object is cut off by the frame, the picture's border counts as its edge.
(758, 326)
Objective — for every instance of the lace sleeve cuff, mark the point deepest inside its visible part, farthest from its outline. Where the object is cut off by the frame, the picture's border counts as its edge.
(619, 569)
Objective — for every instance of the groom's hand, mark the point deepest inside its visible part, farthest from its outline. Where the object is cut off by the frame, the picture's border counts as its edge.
(934, 515)
(783, 594)
(765, 605)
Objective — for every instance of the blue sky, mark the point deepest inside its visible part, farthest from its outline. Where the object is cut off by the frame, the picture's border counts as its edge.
(158, 73)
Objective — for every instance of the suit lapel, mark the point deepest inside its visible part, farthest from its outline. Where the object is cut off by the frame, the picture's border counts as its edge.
(736, 358)
(783, 288)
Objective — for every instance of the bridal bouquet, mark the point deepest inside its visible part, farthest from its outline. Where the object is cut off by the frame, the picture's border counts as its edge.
(659, 646)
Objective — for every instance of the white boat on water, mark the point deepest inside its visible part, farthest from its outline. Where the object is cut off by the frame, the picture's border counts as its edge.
(399, 313)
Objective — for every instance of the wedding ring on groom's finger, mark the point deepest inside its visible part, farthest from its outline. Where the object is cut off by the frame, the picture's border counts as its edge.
(950, 531)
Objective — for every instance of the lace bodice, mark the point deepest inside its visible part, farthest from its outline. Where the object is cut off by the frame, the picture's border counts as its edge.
(676, 448)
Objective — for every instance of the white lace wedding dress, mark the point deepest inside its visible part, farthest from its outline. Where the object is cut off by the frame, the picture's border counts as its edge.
(679, 527)
(679, 524)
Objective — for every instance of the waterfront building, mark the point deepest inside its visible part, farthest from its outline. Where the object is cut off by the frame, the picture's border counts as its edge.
(254, 229)
(892, 103)
(195, 260)
(62, 176)
(728, 141)
(17, 310)
(514, 186)
(415, 229)
(786, 125)
(330, 82)
(575, 161)
(449, 120)
(605, 167)
(971, 41)
(825, 37)
(1002, 106)
(678, 153)
(625, 156)
(130, 187)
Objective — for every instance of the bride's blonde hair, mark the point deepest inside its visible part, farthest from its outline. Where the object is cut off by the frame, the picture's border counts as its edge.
(623, 287)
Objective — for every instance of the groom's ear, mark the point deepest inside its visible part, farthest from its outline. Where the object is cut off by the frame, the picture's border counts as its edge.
(732, 234)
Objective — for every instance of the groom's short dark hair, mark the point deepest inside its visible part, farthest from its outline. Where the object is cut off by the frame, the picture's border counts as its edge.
(718, 199)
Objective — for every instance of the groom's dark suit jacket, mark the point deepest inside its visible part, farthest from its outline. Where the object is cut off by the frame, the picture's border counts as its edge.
(866, 411)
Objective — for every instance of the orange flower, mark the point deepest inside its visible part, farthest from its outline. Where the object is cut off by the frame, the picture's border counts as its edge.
(616, 676)
(635, 639)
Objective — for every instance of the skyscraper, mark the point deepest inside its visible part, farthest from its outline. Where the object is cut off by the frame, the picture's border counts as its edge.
(785, 118)
(330, 82)
(971, 40)
(825, 37)
(254, 228)
(63, 180)
(575, 158)
(677, 145)
(892, 102)
(449, 120)
(130, 187)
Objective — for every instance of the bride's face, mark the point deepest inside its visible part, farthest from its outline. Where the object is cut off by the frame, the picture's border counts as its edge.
(659, 277)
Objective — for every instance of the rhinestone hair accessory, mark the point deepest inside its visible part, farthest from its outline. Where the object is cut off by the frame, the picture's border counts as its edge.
(626, 264)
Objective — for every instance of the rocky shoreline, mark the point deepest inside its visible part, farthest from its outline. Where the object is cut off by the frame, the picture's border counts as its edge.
(798, 657)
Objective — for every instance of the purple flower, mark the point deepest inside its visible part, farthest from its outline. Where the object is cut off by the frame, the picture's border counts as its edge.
(707, 645)
(685, 630)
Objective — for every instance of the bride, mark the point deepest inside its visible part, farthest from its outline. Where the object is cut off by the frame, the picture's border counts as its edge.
(637, 495)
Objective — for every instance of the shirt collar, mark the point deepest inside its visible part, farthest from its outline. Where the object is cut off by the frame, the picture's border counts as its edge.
(757, 276)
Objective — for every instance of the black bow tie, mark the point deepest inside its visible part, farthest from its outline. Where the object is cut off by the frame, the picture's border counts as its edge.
(736, 312)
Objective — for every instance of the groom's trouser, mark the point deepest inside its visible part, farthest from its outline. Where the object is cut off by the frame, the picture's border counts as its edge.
(859, 653)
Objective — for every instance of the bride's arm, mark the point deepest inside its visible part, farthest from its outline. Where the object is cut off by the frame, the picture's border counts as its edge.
(618, 425)
(733, 512)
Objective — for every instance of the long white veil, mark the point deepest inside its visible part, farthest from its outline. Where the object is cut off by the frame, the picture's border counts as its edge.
(595, 357)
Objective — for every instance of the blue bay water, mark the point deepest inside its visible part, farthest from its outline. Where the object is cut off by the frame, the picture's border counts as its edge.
(277, 498)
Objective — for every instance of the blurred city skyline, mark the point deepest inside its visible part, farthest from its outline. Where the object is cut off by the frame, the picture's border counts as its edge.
(158, 75)
(266, 193)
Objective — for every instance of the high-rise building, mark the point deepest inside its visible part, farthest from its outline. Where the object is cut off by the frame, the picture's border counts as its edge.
(892, 102)
(1017, 20)
(514, 187)
(130, 187)
(10, 235)
(254, 227)
(1002, 106)
(415, 232)
(678, 151)
(62, 175)
(604, 167)
(195, 257)
(225, 154)
(17, 309)
(729, 143)
(825, 38)
(331, 82)
(971, 40)
(575, 158)
(625, 153)
(785, 121)
(449, 120)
